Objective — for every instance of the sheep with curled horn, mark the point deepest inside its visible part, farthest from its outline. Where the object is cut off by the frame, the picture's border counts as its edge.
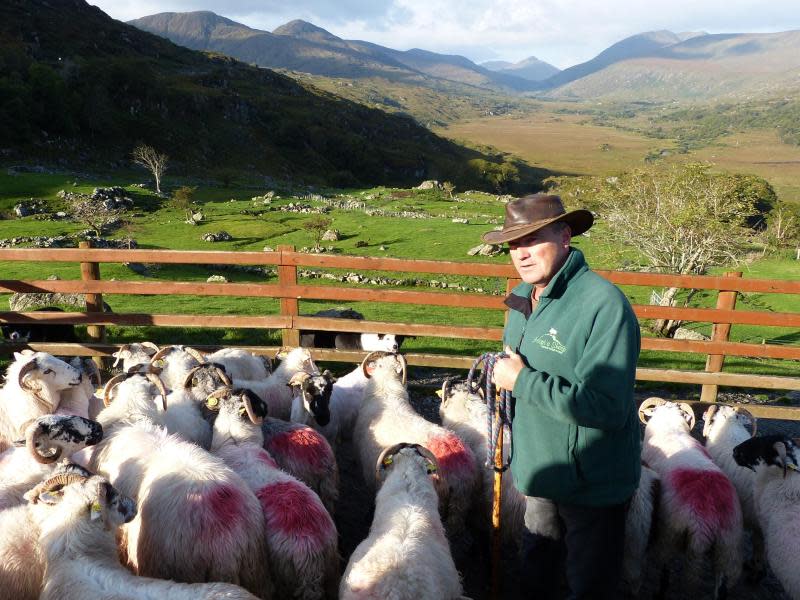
(34, 385)
(725, 427)
(386, 417)
(198, 521)
(82, 400)
(23, 562)
(48, 440)
(77, 518)
(134, 354)
(699, 516)
(301, 536)
(175, 363)
(406, 555)
(312, 399)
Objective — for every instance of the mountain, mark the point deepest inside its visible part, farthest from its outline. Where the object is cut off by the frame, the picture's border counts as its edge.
(302, 46)
(530, 68)
(79, 87)
(698, 67)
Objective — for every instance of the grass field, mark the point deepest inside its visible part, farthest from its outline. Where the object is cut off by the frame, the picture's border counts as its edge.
(157, 225)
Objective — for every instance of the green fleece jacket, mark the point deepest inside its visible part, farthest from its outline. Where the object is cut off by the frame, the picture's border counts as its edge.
(575, 429)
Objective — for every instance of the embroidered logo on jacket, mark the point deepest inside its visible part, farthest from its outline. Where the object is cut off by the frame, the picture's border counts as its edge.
(549, 341)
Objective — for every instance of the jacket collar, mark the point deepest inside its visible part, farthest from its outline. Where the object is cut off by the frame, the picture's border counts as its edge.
(520, 297)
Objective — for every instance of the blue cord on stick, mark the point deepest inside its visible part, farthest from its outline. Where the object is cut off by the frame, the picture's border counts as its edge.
(495, 427)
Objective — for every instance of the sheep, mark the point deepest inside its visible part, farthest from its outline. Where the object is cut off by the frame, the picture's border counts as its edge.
(81, 400)
(406, 555)
(387, 417)
(275, 390)
(175, 363)
(726, 427)
(22, 563)
(77, 517)
(241, 364)
(198, 520)
(48, 439)
(34, 382)
(134, 354)
(306, 454)
(776, 491)
(311, 401)
(699, 512)
(640, 522)
(301, 536)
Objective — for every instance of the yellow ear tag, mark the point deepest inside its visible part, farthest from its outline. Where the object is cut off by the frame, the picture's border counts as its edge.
(792, 466)
(242, 411)
(96, 511)
(387, 461)
(159, 363)
(431, 469)
(212, 401)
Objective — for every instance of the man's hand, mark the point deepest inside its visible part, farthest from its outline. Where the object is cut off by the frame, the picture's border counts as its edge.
(506, 370)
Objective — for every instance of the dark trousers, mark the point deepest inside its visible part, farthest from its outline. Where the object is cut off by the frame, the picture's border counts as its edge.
(583, 542)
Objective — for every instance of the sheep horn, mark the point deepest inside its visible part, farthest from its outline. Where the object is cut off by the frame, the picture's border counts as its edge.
(404, 364)
(27, 368)
(119, 352)
(162, 389)
(161, 353)
(150, 345)
(753, 420)
(248, 406)
(95, 374)
(368, 357)
(650, 402)
(446, 384)
(110, 385)
(222, 392)
(60, 480)
(30, 443)
(388, 453)
(708, 416)
(780, 448)
(425, 453)
(689, 412)
(299, 379)
(195, 354)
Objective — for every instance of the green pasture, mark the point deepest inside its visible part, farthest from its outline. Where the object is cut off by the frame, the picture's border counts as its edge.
(155, 223)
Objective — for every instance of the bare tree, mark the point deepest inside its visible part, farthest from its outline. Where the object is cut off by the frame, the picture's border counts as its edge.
(152, 160)
(684, 220)
(317, 226)
(448, 189)
(94, 213)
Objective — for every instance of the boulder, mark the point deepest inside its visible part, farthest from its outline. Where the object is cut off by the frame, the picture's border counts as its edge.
(331, 235)
(430, 184)
(217, 279)
(684, 333)
(219, 236)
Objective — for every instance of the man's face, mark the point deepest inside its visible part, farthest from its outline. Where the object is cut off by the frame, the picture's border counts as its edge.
(539, 255)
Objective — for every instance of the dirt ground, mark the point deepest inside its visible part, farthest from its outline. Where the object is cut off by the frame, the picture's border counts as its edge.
(472, 554)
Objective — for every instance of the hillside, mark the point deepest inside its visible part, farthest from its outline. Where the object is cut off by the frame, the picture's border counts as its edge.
(77, 87)
(530, 68)
(703, 67)
(302, 46)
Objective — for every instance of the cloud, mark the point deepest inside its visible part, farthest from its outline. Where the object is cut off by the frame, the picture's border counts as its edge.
(563, 32)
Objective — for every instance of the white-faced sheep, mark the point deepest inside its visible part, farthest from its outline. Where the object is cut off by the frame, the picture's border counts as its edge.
(776, 493)
(22, 562)
(725, 428)
(301, 536)
(406, 555)
(198, 521)
(699, 512)
(134, 354)
(77, 518)
(387, 418)
(34, 382)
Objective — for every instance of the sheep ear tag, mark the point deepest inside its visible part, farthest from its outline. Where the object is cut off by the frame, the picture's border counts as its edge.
(159, 363)
(387, 461)
(212, 402)
(430, 468)
(96, 511)
(439, 393)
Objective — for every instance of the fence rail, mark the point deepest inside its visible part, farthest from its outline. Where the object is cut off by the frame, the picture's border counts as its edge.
(290, 294)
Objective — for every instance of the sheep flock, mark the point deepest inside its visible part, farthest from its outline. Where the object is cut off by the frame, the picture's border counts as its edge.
(192, 475)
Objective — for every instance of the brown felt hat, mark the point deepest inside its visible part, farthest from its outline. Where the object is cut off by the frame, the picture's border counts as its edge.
(529, 213)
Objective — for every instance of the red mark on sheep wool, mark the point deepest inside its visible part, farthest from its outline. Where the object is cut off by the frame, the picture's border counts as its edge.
(452, 454)
(264, 457)
(221, 510)
(303, 445)
(293, 509)
(709, 494)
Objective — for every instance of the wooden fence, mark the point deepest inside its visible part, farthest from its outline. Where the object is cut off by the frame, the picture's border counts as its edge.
(291, 293)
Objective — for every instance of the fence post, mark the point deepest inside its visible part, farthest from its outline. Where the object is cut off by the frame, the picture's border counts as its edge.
(719, 333)
(90, 271)
(287, 275)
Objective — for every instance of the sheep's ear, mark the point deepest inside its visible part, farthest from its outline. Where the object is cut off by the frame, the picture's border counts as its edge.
(51, 498)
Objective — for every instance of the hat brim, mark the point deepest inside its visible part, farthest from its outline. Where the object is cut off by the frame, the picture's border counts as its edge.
(579, 221)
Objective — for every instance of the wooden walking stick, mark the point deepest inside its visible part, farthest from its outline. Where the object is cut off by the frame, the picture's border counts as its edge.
(497, 540)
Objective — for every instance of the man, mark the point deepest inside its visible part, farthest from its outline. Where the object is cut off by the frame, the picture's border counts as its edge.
(573, 342)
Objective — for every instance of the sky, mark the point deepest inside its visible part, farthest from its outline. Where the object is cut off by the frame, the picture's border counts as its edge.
(561, 32)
